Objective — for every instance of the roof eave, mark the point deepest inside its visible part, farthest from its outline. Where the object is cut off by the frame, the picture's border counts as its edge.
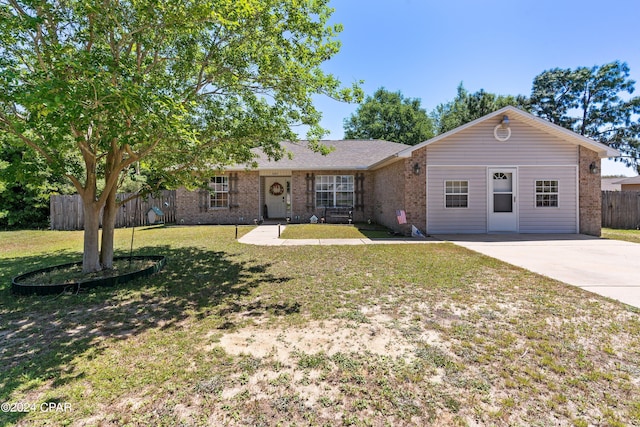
(284, 167)
(389, 160)
(603, 151)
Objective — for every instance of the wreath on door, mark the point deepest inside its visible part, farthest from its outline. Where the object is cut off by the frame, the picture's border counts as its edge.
(276, 189)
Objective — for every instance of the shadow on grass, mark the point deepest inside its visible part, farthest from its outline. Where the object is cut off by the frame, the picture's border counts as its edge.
(377, 231)
(42, 336)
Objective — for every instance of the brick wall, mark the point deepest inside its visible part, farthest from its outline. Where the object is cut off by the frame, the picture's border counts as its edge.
(384, 191)
(389, 191)
(192, 207)
(397, 186)
(590, 198)
(416, 189)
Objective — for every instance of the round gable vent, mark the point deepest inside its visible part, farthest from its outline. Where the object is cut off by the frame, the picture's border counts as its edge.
(502, 133)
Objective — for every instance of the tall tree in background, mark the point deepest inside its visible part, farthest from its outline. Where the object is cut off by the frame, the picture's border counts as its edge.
(97, 86)
(25, 187)
(595, 102)
(467, 107)
(389, 116)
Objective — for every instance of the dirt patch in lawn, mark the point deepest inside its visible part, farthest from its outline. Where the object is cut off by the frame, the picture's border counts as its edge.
(328, 337)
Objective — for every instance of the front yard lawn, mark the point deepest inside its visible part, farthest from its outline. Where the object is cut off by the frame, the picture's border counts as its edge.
(333, 231)
(628, 235)
(231, 334)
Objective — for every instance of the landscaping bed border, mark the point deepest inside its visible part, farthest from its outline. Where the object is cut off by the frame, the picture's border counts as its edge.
(18, 288)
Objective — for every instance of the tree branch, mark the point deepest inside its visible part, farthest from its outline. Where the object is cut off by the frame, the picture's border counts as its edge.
(119, 166)
(77, 184)
(19, 8)
(91, 33)
(10, 127)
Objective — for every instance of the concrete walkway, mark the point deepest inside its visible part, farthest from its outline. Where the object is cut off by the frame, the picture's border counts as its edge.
(607, 267)
(267, 235)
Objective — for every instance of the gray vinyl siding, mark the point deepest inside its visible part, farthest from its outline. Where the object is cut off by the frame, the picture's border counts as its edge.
(532, 219)
(477, 146)
(467, 154)
(472, 219)
(561, 219)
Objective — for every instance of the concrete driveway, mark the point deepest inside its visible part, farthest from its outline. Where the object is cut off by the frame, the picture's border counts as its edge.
(607, 267)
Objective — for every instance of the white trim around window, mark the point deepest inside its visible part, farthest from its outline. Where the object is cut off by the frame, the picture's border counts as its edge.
(219, 192)
(547, 193)
(334, 191)
(456, 194)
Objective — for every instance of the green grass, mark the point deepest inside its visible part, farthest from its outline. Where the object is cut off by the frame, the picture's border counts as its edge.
(628, 235)
(332, 231)
(231, 334)
(73, 273)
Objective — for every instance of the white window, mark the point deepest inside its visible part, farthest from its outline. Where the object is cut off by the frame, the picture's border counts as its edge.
(219, 192)
(334, 191)
(456, 194)
(547, 193)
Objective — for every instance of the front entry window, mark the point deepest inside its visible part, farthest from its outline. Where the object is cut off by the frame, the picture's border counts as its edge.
(334, 191)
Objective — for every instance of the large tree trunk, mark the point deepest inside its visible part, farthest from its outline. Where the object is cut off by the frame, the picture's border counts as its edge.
(108, 226)
(91, 258)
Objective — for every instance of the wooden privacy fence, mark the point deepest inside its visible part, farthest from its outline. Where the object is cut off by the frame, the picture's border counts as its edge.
(66, 211)
(621, 209)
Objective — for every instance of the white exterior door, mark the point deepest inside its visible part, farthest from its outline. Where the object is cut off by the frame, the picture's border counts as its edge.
(503, 197)
(276, 196)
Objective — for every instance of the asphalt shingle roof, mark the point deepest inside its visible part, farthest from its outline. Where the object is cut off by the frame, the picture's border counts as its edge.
(632, 180)
(347, 154)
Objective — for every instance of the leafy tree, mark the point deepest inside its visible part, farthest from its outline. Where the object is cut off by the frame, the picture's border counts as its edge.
(595, 102)
(389, 116)
(96, 86)
(467, 107)
(25, 187)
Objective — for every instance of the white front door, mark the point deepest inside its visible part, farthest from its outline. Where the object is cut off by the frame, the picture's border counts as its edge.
(276, 194)
(503, 197)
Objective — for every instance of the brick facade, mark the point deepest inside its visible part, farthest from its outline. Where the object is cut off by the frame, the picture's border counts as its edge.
(380, 193)
(192, 207)
(416, 189)
(590, 198)
(303, 194)
(389, 189)
(398, 186)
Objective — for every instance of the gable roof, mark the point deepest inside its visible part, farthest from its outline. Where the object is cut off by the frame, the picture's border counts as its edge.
(632, 180)
(544, 125)
(346, 154)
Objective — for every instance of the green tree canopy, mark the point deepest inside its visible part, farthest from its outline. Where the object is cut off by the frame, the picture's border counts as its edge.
(595, 102)
(96, 86)
(389, 116)
(467, 107)
(25, 187)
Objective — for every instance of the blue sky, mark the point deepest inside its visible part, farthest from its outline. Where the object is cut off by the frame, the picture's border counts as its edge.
(425, 48)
